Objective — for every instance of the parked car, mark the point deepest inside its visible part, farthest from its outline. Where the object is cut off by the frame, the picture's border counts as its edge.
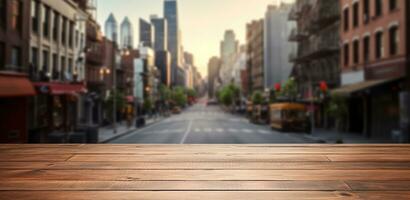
(211, 102)
(176, 110)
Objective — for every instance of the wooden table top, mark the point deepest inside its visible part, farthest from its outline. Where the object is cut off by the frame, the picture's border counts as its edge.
(156, 172)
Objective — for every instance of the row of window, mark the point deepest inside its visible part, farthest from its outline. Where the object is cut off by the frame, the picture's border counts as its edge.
(55, 59)
(393, 36)
(53, 24)
(378, 11)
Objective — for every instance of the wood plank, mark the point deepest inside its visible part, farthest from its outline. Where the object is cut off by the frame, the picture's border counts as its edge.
(173, 186)
(279, 195)
(205, 175)
(196, 158)
(34, 157)
(379, 185)
(369, 158)
(129, 165)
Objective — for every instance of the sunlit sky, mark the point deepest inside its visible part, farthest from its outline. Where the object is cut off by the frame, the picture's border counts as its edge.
(202, 22)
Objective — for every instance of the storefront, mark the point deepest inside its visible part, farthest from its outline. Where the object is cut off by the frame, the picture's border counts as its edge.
(15, 89)
(56, 108)
(373, 107)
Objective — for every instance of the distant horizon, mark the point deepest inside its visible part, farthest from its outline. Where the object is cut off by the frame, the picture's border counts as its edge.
(200, 21)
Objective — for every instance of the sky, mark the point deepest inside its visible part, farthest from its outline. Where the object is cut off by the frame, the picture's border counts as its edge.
(202, 22)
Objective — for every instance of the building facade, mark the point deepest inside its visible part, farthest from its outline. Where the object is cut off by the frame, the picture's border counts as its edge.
(373, 62)
(163, 63)
(277, 28)
(161, 33)
(214, 66)
(147, 34)
(255, 55)
(229, 51)
(16, 87)
(317, 36)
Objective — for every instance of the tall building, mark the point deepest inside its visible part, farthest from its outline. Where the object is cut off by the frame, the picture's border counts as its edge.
(255, 55)
(147, 34)
(214, 66)
(317, 35)
(127, 34)
(161, 33)
(373, 64)
(163, 63)
(16, 88)
(174, 36)
(111, 28)
(277, 47)
(229, 50)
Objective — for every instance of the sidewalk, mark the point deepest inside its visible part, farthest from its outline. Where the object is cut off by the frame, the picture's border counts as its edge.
(332, 137)
(106, 134)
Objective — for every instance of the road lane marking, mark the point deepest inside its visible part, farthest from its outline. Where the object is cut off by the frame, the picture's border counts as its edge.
(263, 132)
(219, 130)
(197, 130)
(247, 131)
(186, 132)
(233, 130)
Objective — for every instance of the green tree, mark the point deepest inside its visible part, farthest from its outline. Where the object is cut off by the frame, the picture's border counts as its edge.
(165, 93)
(119, 102)
(257, 98)
(338, 109)
(148, 105)
(289, 90)
(179, 96)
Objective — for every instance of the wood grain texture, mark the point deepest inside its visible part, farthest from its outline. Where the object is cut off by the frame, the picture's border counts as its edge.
(284, 172)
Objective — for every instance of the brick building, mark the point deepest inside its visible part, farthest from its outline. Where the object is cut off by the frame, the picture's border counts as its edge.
(373, 63)
(255, 55)
(15, 86)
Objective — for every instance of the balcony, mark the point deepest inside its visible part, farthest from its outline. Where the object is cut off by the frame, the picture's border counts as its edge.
(293, 56)
(294, 13)
(321, 45)
(297, 35)
(325, 12)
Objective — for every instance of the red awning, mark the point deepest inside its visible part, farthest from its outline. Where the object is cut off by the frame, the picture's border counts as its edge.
(60, 88)
(15, 85)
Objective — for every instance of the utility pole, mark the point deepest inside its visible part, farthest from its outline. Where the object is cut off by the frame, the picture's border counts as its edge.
(114, 86)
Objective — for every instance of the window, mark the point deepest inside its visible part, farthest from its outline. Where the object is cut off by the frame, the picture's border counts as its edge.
(16, 18)
(56, 26)
(393, 5)
(76, 38)
(356, 51)
(2, 52)
(356, 14)
(63, 31)
(394, 40)
(366, 11)
(366, 49)
(55, 67)
(35, 7)
(71, 34)
(45, 61)
(70, 66)
(3, 12)
(15, 57)
(46, 22)
(34, 57)
(62, 68)
(346, 55)
(379, 45)
(346, 19)
(378, 7)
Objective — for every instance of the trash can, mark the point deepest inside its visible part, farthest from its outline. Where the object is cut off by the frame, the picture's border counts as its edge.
(92, 134)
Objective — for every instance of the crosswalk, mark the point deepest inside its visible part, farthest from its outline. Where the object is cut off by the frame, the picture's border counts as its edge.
(187, 118)
(211, 130)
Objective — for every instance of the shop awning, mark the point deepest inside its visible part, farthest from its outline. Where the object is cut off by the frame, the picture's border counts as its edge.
(60, 88)
(348, 90)
(15, 85)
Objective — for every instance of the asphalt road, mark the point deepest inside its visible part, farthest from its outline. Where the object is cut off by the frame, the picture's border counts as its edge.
(201, 124)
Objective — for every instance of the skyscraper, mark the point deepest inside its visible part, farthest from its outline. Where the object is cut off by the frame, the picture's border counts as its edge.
(127, 34)
(147, 34)
(174, 43)
(277, 47)
(229, 51)
(161, 33)
(111, 28)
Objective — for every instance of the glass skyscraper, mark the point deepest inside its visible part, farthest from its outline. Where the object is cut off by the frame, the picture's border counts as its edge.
(174, 46)
(111, 28)
(161, 33)
(127, 34)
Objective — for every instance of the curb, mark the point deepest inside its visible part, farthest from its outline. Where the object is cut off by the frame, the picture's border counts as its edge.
(129, 132)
